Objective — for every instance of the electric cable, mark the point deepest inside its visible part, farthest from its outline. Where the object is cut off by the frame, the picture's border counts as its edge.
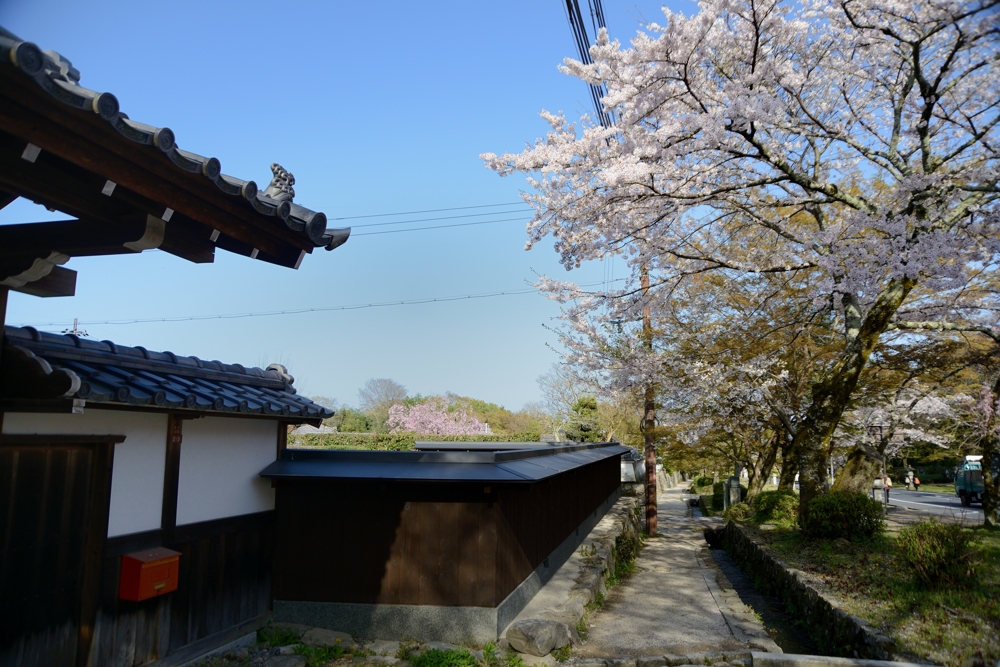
(298, 311)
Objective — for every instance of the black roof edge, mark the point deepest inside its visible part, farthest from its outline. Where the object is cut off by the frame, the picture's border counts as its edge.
(415, 457)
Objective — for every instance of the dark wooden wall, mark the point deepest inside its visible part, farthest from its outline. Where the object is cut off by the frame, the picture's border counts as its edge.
(372, 542)
(534, 519)
(54, 493)
(224, 580)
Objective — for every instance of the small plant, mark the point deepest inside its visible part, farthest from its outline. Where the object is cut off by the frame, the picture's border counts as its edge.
(451, 658)
(563, 654)
(317, 656)
(738, 512)
(277, 636)
(596, 603)
(513, 659)
(781, 507)
(939, 554)
(581, 627)
(490, 655)
(588, 550)
(406, 649)
(847, 514)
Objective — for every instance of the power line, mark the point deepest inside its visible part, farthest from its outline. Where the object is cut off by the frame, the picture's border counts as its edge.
(448, 217)
(431, 210)
(268, 313)
(420, 229)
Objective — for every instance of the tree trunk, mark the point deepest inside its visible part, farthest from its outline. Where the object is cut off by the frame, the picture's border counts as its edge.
(789, 465)
(988, 446)
(859, 472)
(649, 415)
(831, 394)
(765, 464)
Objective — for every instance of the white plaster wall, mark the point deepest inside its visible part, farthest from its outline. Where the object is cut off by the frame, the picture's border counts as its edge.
(220, 461)
(137, 474)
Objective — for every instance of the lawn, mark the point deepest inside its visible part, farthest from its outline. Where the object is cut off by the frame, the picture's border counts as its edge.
(939, 488)
(945, 625)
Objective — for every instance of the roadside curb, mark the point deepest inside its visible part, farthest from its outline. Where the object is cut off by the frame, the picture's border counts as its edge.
(838, 629)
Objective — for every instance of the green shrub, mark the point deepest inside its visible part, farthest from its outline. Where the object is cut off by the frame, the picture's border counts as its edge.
(705, 505)
(704, 481)
(781, 506)
(847, 514)
(738, 512)
(395, 441)
(277, 636)
(939, 554)
(438, 658)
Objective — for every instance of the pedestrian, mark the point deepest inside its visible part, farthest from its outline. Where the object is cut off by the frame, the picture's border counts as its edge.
(916, 483)
(908, 479)
(888, 485)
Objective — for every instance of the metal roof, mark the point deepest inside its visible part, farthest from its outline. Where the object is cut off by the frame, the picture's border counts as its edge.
(453, 445)
(105, 373)
(515, 465)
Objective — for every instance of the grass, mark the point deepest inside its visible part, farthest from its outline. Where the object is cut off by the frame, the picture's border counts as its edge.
(946, 625)
(937, 488)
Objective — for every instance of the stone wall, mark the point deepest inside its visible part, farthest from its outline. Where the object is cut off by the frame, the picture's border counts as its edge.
(834, 630)
(556, 625)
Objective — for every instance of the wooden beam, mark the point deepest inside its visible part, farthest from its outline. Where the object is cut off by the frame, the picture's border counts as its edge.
(87, 141)
(57, 184)
(76, 238)
(171, 476)
(59, 282)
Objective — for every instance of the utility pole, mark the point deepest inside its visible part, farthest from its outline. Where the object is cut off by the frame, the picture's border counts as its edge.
(648, 410)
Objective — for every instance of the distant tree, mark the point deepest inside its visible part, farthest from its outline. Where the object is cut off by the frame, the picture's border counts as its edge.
(377, 396)
(351, 420)
(584, 421)
(433, 416)
(325, 401)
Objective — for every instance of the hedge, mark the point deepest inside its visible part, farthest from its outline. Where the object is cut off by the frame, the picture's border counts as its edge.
(396, 441)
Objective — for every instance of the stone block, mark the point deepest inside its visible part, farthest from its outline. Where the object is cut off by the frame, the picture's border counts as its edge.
(286, 661)
(440, 646)
(621, 662)
(652, 661)
(298, 628)
(675, 660)
(324, 638)
(537, 636)
(383, 647)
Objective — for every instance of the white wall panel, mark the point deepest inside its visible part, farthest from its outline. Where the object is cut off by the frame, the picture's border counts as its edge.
(137, 475)
(221, 458)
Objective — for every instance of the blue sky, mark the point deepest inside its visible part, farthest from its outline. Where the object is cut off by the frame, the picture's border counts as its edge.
(375, 107)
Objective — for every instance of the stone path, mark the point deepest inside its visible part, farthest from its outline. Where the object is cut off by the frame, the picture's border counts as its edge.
(678, 603)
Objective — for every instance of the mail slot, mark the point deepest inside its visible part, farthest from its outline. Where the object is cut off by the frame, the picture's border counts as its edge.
(146, 574)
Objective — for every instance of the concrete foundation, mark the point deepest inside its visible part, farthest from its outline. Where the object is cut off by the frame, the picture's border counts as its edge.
(456, 625)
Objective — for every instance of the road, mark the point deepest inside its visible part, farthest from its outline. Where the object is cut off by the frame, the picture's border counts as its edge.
(935, 503)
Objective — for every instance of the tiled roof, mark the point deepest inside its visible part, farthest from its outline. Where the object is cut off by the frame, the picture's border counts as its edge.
(102, 372)
(56, 76)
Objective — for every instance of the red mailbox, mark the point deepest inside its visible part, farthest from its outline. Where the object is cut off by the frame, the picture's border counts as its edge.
(146, 574)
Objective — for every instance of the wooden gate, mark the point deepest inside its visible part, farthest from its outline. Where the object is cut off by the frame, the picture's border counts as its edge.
(54, 499)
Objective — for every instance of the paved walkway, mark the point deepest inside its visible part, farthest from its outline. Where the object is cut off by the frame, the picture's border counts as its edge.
(679, 602)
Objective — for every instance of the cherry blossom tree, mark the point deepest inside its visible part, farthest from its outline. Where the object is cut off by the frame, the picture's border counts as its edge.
(850, 145)
(433, 416)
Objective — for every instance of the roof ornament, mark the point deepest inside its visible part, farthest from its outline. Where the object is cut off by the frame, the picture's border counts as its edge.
(62, 68)
(280, 188)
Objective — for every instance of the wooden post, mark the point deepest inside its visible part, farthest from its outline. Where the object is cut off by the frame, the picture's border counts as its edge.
(649, 413)
(171, 477)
